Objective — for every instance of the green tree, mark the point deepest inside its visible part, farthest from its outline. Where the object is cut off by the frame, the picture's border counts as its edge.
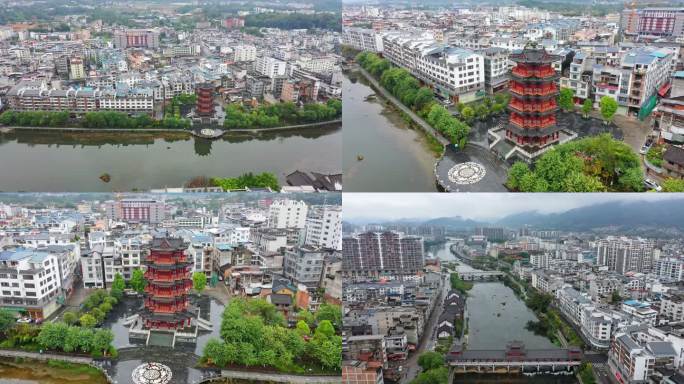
(199, 281)
(587, 106)
(673, 185)
(325, 328)
(118, 286)
(102, 340)
(433, 376)
(330, 312)
(565, 99)
(430, 360)
(52, 335)
(70, 317)
(138, 280)
(303, 328)
(608, 107)
(7, 320)
(468, 114)
(615, 297)
(87, 320)
(515, 174)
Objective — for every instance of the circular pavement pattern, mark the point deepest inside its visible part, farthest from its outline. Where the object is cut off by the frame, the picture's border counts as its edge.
(467, 173)
(151, 373)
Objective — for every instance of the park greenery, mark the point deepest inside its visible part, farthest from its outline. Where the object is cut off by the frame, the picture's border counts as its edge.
(331, 21)
(95, 120)
(59, 337)
(593, 164)
(587, 107)
(184, 100)
(566, 99)
(458, 284)
(96, 306)
(199, 281)
(433, 369)
(400, 83)
(138, 281)
(255, 334)
(248, 180)
(655, 155)
(608, 106)
(483, 109)
(673, 185)
(586, 373)
(274, 115)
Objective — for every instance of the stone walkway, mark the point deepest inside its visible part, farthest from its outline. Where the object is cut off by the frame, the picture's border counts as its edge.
(280, 378)
(45, 356)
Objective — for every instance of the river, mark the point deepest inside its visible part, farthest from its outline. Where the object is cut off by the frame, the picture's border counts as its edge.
(493, 306)
(395, 157)
(73, 162)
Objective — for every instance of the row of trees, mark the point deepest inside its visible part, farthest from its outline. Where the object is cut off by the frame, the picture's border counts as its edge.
(407, 89)
(458, 284)
(99, 119)
(608, 106)
(434, 370)
(254, 333)
(273, 115)
(34, 119)
(68, 338)
(593, 164)
(485, 108)
(248, 180)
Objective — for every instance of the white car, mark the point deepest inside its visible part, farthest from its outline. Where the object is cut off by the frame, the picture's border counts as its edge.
(650, 184)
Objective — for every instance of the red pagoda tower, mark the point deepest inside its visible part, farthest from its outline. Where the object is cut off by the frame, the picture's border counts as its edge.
(532, 121)
(168, 277)
(205, 100)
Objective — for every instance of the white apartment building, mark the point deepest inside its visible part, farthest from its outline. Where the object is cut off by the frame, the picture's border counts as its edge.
(649, 68)
(231, 236)
(30, 280)
(623, 254)
(580, 79)
(304, 265)
(455, 73)
(244, 53)
(629, 360)
(596, 325)
(362, 39)
(131, 252)
(670, 268)
(201, 251)
(268, 66)
(287, 213)
(603, 287)
(672, 306)
(324, 227)
(132, 102)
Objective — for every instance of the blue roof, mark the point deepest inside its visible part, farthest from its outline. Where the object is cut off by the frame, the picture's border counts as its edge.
(636, 303)
(678, 74)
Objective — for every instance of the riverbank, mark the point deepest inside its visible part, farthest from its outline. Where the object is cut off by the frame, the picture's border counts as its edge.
(406, 111)
(44, 370)
(8, 129)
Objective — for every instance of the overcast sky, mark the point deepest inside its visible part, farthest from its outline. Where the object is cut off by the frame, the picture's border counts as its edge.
(478, 206)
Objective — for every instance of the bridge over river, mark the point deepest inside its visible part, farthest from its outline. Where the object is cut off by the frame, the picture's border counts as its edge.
(516, 358)
(480, 275)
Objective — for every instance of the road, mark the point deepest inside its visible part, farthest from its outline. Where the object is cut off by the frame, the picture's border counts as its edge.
(428, 340)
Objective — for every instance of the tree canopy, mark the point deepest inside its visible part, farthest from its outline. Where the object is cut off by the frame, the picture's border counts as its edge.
(593, 164)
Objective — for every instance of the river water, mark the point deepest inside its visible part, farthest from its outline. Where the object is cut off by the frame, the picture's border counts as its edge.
(495, 317)
(73, 162)
(395, 157)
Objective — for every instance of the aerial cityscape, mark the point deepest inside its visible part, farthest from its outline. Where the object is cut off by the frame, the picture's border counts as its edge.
(478, 288)
(528, 96)
(187, 89)
(341, 192)
(179, 287)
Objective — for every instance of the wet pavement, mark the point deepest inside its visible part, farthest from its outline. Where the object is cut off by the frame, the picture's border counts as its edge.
(474, 169)
(182, 359)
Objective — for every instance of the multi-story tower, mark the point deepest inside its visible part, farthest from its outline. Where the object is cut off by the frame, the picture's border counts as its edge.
(136, 210)
(324, 227)
(287, 214)
(168, 276)
(532, 123)
(205, 100)
(382, 252)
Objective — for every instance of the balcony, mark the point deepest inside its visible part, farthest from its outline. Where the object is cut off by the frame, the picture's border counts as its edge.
(546, 90)
(543, 107)
(165, 277)
(525, 73)
(162, 292)
(532, 123)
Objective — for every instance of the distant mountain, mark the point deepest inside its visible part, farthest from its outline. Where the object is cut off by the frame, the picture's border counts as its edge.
(637, 214)
(456, 222)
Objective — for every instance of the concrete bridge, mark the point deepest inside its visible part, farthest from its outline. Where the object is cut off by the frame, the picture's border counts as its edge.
(514, 359)
(480, 275)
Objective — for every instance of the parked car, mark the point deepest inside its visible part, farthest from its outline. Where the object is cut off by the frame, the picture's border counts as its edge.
(651, 184)
(25, 320)
(647, 145)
